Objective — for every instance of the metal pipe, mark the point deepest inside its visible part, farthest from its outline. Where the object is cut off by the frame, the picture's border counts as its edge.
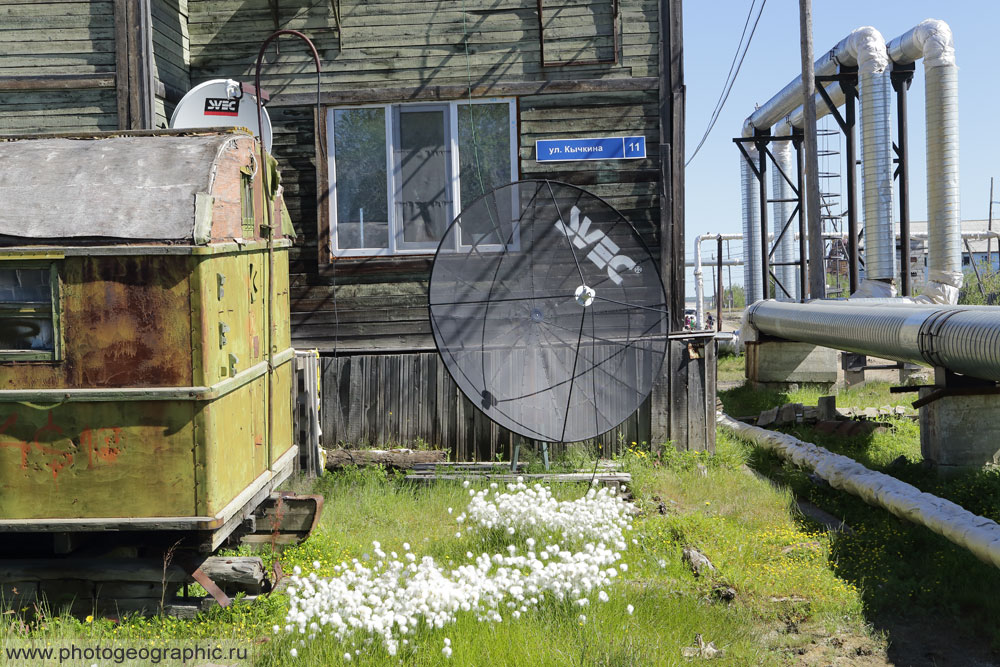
(797, 119)
(699, 285)
(784, 234)
(789, 97)
(803, 263)
(932, 41)
(751, 229)
(765, 246)
(271, 295)
(875, 91)
(962, 340)
(978, 534)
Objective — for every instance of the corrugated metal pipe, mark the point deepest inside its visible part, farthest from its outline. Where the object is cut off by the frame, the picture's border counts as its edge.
(784, 197)
(797, 118)
(752, 268)
(875, 89)
(979, 535)
(960, 339)
(932, 41)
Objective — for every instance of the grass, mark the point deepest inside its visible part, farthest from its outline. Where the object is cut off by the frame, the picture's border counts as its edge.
(790, 606)
(901, 569)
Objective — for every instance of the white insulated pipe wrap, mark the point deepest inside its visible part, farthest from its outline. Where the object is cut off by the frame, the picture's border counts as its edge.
(944, 234)
(875, 90)
(782, 189)
(979, 535)
(751, 229)
(932, 40)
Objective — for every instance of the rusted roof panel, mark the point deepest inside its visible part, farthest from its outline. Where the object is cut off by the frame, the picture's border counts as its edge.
(125, 188)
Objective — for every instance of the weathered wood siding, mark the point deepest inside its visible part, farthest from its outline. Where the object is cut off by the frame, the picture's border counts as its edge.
(400, 399)
(384, 45)
(73, 37)
(171, 56)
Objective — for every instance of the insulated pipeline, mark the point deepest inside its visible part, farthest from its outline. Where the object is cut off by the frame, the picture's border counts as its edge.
(963, 340)
(751, 229)
(784, 252)
(932, 40)
(876, 144)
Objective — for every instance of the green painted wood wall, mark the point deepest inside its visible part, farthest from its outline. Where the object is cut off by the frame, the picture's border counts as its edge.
(171, 56)
(68, 37)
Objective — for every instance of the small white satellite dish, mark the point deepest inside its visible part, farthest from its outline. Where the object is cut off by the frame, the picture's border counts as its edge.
(221, 103)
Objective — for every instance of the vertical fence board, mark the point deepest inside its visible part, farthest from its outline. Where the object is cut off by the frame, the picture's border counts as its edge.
(396, 399)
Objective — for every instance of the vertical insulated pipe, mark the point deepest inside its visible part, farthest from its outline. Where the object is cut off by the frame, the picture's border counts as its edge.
(932, 40)
(875, 91)
(784, 205)
(751, 229)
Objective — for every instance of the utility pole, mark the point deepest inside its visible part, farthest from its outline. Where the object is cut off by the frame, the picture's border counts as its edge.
(817, 265)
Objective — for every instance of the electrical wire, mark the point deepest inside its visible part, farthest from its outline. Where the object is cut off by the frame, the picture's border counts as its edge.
(731, 77)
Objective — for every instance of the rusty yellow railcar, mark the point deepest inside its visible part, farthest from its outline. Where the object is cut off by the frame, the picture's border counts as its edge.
(145, 375)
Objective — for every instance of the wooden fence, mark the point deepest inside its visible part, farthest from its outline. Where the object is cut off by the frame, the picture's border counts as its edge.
(410, 399)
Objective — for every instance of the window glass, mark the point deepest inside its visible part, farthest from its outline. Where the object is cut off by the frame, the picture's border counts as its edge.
(361, 178)
(407, 205)
(484, 159)
(423, 160)
(26, 309)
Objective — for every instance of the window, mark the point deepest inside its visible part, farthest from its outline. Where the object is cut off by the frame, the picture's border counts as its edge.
(29, 324)
(247, 224)
(399, 174)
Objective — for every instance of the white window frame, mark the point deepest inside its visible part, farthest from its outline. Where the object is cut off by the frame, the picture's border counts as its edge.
(393, 248)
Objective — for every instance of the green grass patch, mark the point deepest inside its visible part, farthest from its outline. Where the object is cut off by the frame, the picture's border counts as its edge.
(788, 602)
(900, 568)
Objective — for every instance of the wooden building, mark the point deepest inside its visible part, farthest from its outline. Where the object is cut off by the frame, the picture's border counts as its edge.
(423, 106)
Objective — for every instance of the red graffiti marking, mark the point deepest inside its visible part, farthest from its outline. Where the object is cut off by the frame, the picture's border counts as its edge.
(60, 458)
(103, 443)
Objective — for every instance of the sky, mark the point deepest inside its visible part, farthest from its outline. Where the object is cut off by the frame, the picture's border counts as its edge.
(711, 33)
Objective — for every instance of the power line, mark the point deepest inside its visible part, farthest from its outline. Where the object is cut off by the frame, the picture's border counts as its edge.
(731, 77)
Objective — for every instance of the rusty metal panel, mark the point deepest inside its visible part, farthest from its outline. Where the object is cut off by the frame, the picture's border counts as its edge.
(84, 460)
(124, 321)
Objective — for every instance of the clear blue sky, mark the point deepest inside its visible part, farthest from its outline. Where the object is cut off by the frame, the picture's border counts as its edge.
(711, 31)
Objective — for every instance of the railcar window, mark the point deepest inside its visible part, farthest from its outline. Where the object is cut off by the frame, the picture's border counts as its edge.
(28, 318)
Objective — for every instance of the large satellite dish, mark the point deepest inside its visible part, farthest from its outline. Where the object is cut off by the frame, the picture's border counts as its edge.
(221, 103)
(548, 311)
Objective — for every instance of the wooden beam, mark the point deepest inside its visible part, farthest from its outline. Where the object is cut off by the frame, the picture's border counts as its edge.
(454, 92)
(121, 62)
(57, 82)
(322, 193)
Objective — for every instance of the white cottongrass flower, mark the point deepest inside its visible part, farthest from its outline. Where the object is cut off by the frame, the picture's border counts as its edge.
(347, 657)
(583, 618)
(294, 653)
(395, 598)
(630, 609)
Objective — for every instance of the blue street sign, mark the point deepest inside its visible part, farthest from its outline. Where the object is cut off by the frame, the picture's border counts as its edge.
(607, 148)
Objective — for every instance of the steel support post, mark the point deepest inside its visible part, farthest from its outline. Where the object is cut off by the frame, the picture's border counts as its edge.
(718, 287)
(765, 264)
(803, 264)
(901, 77)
